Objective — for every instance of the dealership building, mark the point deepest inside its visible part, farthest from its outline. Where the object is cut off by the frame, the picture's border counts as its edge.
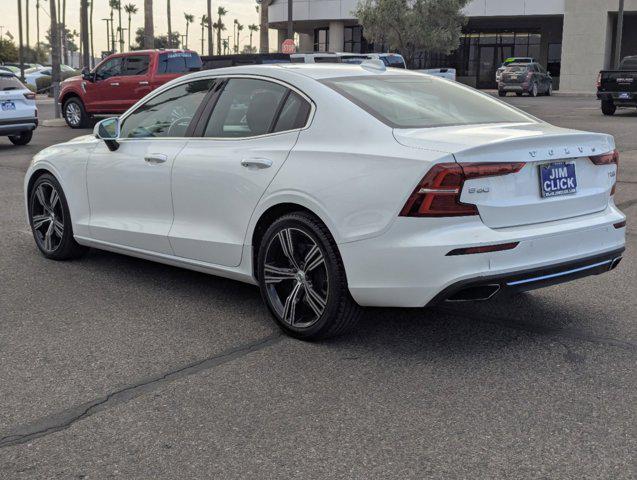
(573, 39)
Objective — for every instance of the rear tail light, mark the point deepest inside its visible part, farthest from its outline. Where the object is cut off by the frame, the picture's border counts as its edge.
(438, 193)
(608, 159)
(599, 80)
(619, 225)
(29, 96)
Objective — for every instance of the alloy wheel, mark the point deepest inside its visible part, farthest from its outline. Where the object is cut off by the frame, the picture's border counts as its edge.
(296, 277)
(47, 216)
(73, 114)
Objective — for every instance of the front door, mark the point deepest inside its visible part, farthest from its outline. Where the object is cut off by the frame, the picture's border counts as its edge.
(101, 94)
(219, 178)
(130, 189)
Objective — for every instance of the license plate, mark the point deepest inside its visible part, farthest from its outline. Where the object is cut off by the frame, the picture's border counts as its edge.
(8, 105)
(624, 96)
(557, 179)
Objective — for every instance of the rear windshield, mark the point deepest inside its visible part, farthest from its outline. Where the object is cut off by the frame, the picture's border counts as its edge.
(10, 83)
(178, 62)
(629, 64)
(516, 68)
(414, 101)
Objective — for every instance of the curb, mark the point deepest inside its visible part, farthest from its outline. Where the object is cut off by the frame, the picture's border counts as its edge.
(53, 122)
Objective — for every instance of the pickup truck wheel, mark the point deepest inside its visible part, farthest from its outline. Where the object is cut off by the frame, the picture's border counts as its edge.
(75, 114)
(502, 93)
(22, 139)
(608, 107)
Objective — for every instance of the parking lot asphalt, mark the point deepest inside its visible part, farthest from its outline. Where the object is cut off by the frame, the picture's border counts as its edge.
(114, 367)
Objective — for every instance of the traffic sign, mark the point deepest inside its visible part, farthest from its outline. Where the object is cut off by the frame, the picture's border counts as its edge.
(288, 46)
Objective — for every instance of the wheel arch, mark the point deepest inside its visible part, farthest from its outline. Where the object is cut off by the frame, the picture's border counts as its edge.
(269, 215)
(70, 94)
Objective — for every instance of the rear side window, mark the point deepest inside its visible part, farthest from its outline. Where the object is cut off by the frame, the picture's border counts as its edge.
(179, 62)
(10, 83)
(293, 114)
(245, 108)
(135, 65)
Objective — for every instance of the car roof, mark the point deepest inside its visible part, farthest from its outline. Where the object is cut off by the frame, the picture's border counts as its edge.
(317, 71)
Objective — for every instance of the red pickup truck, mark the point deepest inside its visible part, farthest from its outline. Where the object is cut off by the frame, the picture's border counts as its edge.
(119, 81)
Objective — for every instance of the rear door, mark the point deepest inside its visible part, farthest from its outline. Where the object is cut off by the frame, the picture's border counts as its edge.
(219, 177)
(173, 64)
(134, 81)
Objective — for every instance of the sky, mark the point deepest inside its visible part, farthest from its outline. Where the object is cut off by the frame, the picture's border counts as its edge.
(243, 10)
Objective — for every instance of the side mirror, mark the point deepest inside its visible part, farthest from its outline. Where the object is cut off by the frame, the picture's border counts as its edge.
(109, 131)
(87, 75)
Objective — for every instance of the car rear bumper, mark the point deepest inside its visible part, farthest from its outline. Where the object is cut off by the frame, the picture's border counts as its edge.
(511, 88)
(408, 266)
(16, 126)
(628, 100)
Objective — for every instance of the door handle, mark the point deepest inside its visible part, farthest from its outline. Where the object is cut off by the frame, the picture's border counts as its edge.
(155, 158)
(143, 83)
(115, 84)
(256, 163)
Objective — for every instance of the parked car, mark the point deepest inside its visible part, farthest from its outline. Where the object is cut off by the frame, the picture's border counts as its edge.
(448, 73)
(260, 174)
(394, 60)
(523, 78)
(32, 74)
(10, 69)
(120, 80)
(618, 88)
(18, 113)
(509, 61)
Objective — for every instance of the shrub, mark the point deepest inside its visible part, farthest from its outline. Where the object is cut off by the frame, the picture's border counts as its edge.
(43, 84)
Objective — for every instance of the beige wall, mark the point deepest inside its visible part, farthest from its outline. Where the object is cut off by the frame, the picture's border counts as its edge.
(586, 42)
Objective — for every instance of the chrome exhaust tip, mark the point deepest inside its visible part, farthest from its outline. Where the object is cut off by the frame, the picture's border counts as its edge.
(614, 263)
(475, 293)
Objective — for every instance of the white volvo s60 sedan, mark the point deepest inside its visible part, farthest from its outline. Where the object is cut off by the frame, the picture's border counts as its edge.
(334, 187)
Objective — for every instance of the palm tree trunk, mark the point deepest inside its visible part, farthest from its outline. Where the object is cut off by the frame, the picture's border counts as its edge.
(27, 19)
(84, 43)
(170, 31)
(186, 46)
(219, 37)
(210, 45)
(202, 36)
(112, 33)
(55, 55)
(64, 43)
(121, 32)
(129, 22)
(37, 22)
(149, 26)
(264, 41)
(91, 33)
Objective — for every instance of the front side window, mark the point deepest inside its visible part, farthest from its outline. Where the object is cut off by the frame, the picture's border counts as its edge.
(110, 68)
(414, 101)
(246, 108)
(135, 65)
(178, 62)
(168, 114)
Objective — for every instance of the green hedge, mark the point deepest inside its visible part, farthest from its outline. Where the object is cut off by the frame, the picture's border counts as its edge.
(43, 84)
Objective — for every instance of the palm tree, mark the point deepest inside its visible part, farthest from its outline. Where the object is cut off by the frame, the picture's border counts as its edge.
(149, 25)
(113, 6)
(90, 21)
(189, 19)
(225, 45)
(84, 39)
(220, 12)
(27, 19)
(234, 35)
(170, 30)
(239, 28)
(37, 23)
(209, 25)
(117, 5)
(203, 23)
(219, 27)
(130, 9)
(253, 28)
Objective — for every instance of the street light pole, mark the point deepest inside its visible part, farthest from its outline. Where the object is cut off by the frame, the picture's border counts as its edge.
(290, 22)
(618, 33)
(20, 46)
(108, 33)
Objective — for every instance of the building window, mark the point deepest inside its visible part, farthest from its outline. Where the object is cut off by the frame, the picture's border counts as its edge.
(321, 40)
(554, 63)
(353, 39)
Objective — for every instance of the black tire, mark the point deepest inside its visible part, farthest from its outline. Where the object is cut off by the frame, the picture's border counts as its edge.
(608, 107)
(45, 218)
(549, 90)
(502, 93)
(75, 113)
(22, 139)
(519, 94)
(326, 279)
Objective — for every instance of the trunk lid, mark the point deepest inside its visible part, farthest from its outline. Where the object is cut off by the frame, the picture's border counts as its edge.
(517, 198)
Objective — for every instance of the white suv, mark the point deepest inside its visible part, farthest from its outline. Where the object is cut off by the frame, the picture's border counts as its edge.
(18, 113)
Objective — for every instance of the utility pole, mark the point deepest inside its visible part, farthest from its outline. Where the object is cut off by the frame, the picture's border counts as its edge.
(618, 33)
(55, 59)
(20, 46)
(290, 21)
(108, 33)
(37, 22)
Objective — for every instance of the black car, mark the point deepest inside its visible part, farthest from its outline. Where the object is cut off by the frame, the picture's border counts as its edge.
(528, 78)
(618, 88)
